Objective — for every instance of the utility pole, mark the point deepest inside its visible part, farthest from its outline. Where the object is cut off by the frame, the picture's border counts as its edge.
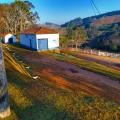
(4, 102)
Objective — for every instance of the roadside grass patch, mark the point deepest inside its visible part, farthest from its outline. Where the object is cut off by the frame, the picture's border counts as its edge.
(42, 100)
(88, 65)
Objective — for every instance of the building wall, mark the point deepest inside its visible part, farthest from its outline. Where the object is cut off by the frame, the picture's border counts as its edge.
(7, 37)
(53, 40)
(25, 40)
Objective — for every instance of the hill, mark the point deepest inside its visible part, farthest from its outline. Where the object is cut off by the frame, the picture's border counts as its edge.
(103, 30)
(103, 19)
(75, 22)
(109, 41)
(52, 25)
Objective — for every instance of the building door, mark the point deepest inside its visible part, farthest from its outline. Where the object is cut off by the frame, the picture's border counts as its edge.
(43, 44)
(11, 40)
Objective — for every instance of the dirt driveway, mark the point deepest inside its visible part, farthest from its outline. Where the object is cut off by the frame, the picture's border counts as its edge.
(70, 76)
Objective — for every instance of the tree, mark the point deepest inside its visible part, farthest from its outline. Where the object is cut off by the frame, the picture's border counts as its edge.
(79, 36)
(70, 34)
(64, 41)
(17, 16)
(24, 15)
(93, 32)
(113, 47)
(3, 11)
(116, 29)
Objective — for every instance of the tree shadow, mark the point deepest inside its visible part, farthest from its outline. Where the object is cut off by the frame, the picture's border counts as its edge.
(41, 111)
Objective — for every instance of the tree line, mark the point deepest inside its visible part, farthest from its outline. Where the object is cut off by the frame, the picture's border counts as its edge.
(17, 16)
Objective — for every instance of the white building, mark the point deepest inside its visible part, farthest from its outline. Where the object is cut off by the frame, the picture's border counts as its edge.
(8, 38)
(40, 38)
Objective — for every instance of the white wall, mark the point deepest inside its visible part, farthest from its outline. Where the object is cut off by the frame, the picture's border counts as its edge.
(53, 40)
(25, 40)
(8, 36)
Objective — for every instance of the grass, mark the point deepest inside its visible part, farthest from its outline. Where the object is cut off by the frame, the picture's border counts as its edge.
(42, 100)
(87, 65)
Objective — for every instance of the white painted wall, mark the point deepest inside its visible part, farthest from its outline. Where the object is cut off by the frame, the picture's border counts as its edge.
(25, 40)
(8, 36)
(53, 40)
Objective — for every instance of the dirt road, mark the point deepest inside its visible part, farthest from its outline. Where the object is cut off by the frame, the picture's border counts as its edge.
(70, 76)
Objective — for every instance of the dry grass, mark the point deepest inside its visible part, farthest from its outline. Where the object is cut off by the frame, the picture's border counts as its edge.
(42, 100)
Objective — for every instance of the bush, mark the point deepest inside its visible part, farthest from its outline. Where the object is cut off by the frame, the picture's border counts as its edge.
(113, 47)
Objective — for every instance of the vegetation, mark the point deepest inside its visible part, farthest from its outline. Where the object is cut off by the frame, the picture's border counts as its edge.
(103, 31)
(79, 36)
(107, 41)
(87, 65)
(73, 23)
(40, 99)
(74, 36)
(113, 47)
(64, 41)
(17, 16)
(95, 20)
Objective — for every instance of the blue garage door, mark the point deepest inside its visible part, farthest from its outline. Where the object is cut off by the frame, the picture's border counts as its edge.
(43, 44)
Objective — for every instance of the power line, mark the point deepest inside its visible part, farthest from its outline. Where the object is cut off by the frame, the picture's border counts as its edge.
(95, 7)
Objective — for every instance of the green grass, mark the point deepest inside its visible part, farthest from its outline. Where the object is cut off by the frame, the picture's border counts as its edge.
(88, 65)
(42, 100)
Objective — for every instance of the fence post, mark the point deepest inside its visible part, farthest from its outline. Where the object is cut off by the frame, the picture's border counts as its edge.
(4, 102)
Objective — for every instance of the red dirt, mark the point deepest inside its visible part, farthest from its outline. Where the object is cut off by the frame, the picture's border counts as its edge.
(69, 76)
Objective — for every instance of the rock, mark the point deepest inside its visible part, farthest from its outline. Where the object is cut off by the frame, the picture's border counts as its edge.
(9, 49)
(27, 67)
(36, 77)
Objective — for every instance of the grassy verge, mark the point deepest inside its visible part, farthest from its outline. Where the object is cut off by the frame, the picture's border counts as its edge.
(41, 100)
(87, 65)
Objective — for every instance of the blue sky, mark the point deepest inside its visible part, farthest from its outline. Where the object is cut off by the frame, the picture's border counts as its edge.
(61, 11)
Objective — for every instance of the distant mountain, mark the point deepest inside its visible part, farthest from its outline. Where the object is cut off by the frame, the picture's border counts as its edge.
(103, 19)
(73, 23)
(103, 30)
(52, 25)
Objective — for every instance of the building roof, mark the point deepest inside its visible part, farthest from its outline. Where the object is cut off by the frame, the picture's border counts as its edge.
(4, 34)
(40, 30)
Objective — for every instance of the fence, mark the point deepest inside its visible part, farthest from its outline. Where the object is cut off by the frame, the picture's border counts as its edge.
(4, 104)
(101, 53)
(97, 52)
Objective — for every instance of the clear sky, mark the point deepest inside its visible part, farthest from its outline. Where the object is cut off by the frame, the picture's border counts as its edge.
(61, 11)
